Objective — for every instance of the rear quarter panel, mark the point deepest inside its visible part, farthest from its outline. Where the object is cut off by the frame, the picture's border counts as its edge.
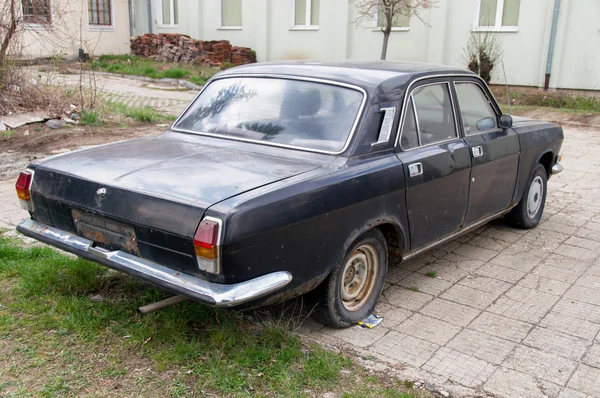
(305, 224)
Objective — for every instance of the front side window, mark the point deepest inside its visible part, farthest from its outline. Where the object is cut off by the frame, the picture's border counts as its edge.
(36, 11)
(99, 12)
(231, 13)
(276, 111)
(429, 117)
(399, 20)
(475, 110)
(306, 12)
(168, 12)
(499, 13)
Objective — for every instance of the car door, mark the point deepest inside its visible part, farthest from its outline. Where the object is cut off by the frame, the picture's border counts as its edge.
(494, 151)
(436, 163)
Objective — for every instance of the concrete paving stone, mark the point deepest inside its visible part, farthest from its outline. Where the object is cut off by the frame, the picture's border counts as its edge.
(573, 251)
(557, 273)
(512, 384)
(500, 272)
(448, 311)
(543, 284)
(392, 315)
(426, 284)
(593, 226)
(520, 262)
(568, 263)
(554, 226)
(461, 262)
(476, 253)
(429, 329)
(557, 343)
(500, 326)
(489, 243)
(469, 296)
(405, 298)
(540, 364)
(396, 273)
(586, 379)
(566, 218)
(446, 271)
(570, 393)
(418, 262)
(485, 284)
(503, 235)
(459, 367)
(524, 304)
(405, 348)
(593, 269)
(585, 294)
(356, 335)
(482, 346)
(450, 246)
(592, 357)
(584, 243)
(578, 309)
(589, 234)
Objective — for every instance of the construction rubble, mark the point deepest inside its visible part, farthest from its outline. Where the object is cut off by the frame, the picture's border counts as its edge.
(175, 47)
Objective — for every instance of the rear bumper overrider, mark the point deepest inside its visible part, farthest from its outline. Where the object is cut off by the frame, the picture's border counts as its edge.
(215, 294)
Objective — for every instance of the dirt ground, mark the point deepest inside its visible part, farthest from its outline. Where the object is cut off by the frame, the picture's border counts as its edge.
(21, 146)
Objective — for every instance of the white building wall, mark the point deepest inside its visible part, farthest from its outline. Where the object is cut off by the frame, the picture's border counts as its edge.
(268, 29)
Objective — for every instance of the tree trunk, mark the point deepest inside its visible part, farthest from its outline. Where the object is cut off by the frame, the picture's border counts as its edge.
(12, 28)
(386, 39)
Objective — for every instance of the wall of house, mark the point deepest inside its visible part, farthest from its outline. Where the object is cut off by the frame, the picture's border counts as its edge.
(267, 27)
(70, 31)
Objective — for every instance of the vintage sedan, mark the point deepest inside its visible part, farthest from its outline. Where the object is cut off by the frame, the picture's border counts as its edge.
(285, 178)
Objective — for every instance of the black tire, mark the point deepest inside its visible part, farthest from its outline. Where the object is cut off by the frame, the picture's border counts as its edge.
(335, 311)
(528, 213)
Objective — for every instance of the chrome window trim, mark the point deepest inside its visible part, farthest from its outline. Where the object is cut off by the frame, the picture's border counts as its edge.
(412, 99)
(409, 91)
(493, 105)
(287, 77)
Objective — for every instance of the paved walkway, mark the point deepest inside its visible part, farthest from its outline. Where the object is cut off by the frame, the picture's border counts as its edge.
(510, 313)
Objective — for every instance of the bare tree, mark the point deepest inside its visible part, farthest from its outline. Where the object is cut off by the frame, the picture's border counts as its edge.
(387, 12)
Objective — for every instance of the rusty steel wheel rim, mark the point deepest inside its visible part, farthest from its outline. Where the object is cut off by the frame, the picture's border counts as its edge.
(359, 277)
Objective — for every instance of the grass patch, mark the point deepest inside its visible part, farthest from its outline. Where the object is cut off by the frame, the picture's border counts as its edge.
(432, 274)
(63, 342)
(140, 66)
(413, 288)
(552, 99)
(118, 113)
(91, 118)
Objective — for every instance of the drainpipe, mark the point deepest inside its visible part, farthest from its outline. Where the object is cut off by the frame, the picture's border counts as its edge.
(552, 41)
(149, 5)
(131, 20)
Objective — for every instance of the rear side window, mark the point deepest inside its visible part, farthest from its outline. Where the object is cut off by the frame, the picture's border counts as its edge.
(476, 113)
(429, 117)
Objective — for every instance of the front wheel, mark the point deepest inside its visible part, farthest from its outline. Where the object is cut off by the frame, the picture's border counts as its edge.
(350, 292)
(528, 213)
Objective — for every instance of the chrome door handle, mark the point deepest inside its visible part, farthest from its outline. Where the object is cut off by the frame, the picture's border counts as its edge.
(477, 151)
(415, 169)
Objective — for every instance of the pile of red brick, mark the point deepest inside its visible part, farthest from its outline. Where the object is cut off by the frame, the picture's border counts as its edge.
(174, 47)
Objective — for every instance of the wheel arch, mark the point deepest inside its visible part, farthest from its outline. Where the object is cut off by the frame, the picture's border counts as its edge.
(546, 159)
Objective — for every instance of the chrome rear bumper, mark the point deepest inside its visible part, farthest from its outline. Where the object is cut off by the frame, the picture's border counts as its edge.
(215, 294)
(557, 168)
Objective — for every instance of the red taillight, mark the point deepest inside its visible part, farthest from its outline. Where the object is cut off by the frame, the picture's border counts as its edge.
(23, 184)
(206, 244)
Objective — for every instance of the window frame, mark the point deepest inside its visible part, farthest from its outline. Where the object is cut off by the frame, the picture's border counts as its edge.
(378, 28)
(308, 19)
(220, 18)
(444, 79)
(159, 14)
(96, 27)
(493, 104)
(497, 27)
(37, 24)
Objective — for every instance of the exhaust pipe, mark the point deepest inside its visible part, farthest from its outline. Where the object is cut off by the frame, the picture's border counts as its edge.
(159, 305)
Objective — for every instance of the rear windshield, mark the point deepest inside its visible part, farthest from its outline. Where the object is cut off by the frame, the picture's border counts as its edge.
(297, 113)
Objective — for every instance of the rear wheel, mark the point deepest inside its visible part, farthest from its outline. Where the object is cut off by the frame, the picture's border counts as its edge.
(528, 213)
(350, 292)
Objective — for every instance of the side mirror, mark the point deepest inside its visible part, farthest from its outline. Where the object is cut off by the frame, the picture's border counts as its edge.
(505, 122)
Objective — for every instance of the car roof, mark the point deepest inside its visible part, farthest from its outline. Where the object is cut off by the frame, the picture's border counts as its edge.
(370, 75)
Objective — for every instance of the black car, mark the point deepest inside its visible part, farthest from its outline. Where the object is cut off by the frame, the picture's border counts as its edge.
(284, 178)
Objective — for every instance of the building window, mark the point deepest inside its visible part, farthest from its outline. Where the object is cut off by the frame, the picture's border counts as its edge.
(100, 12)
(306, 12)
(231, 13)
(498, 14)
(36, 11)
(168, 13)
(399, 21)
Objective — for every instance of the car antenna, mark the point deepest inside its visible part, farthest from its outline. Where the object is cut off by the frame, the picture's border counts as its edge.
(506, 85)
